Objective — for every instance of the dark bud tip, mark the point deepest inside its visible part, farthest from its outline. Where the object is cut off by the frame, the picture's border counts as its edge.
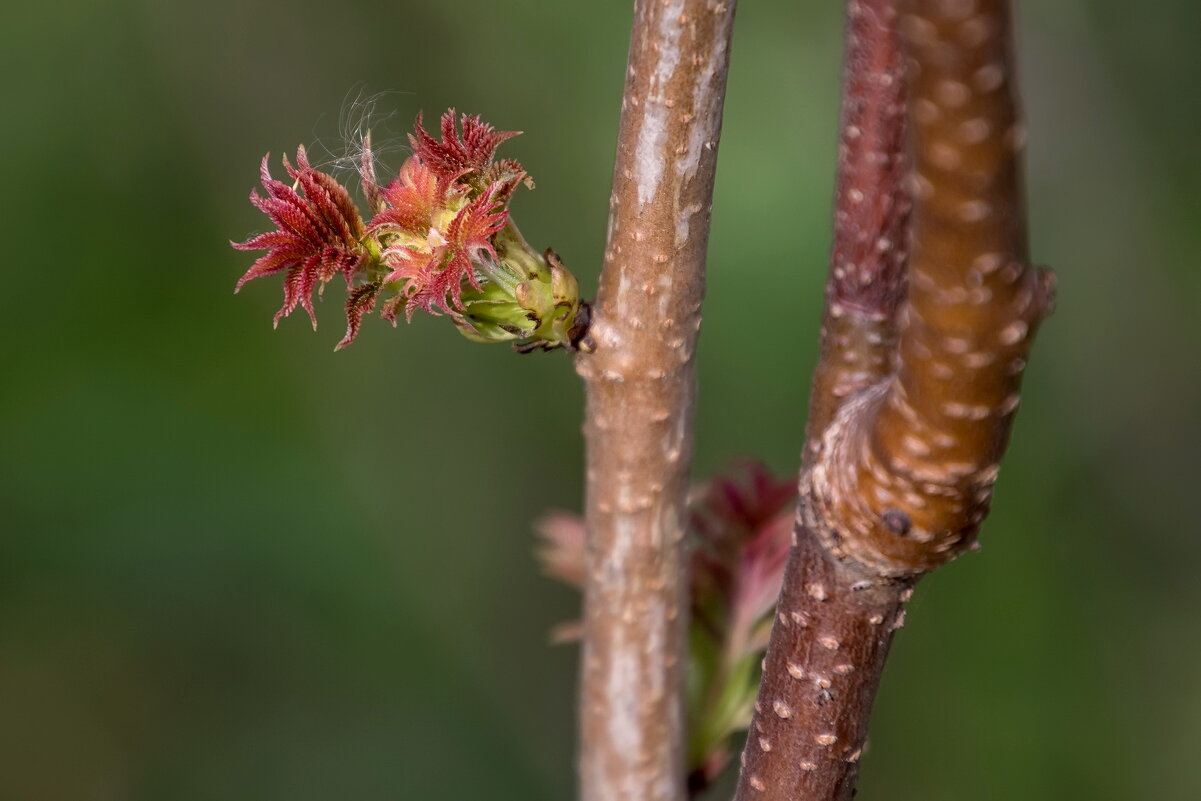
(578, 334)
(896, 521)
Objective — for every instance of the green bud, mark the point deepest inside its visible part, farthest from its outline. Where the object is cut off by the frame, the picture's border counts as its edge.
(527, 298)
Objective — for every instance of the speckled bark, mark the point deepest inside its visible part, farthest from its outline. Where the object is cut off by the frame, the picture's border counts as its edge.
(640, 385)
(871, 214)
(898, 476)
(906, 471)
(831, 636)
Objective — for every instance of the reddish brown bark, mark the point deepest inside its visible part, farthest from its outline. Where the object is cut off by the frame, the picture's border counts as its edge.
(640, 385)
(829, 641)
(871, 214)
(906, 471)
(898, 477)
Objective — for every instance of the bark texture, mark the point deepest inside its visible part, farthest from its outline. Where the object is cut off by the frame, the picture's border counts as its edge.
(829, 641)
(906, 469)
(901, 460)
(866, 284)
(640, 386)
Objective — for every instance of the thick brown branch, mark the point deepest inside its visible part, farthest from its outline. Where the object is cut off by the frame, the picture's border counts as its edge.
(640, 384)
(899, 480)
(828, 645)
(906, 475)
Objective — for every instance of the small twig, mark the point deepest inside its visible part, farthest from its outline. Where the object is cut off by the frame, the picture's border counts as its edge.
(866, 283)
(640, 385)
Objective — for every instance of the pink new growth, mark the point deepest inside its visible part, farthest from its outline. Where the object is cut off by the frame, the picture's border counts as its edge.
(317, 234)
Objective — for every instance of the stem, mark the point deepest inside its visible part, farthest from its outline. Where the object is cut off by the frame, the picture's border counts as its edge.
(867, 277)
(814, 700)
(898, 477)
(828, 647)
(906, 470)
(640, 385)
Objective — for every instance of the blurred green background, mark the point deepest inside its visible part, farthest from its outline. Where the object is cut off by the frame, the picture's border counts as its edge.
(236, 565)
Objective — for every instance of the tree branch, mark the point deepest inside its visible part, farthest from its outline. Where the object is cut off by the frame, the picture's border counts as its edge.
(900, 478)
(640, 385)
(833, 627)
(906, 471)
(828, 644)
(871, 214)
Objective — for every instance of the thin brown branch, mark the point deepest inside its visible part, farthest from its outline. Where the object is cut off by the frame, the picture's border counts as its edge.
(871, 214)
(901, 477)
(640, 384)
(833, 627)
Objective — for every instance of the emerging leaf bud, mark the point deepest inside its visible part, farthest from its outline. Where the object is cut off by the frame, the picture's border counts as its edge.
(440, 240)
(529, 299)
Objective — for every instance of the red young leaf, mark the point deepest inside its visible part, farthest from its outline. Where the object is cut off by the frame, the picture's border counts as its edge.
(435, 265)
(358, 303)
(317, 236)
(744, 532)
(456, 153)
(413, 199)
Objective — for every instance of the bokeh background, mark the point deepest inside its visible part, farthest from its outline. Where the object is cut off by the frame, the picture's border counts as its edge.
(236, 565)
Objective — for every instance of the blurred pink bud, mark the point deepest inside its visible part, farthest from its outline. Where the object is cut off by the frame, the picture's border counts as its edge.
(561, 550)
